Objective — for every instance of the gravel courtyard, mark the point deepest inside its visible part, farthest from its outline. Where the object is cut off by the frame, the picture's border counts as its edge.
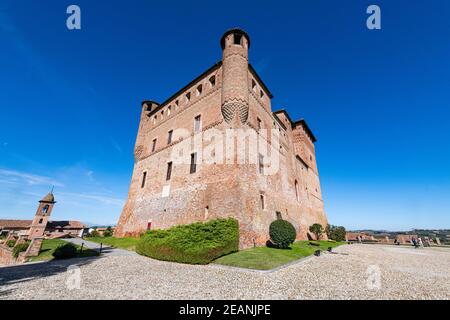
(354, 272)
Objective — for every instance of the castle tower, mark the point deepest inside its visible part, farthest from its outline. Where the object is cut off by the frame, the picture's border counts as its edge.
(40, 220)
(235, 44)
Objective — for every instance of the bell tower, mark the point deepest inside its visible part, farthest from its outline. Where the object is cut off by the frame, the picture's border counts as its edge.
(43, 212)
(235, 44)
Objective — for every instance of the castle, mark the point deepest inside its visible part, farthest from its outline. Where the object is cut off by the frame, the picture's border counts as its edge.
(216, 149)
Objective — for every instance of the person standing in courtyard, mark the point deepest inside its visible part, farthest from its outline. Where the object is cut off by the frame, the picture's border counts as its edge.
(420, 243)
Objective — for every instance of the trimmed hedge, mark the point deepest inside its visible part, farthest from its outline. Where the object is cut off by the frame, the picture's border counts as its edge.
(65, 251)
(282, 233)
(197, 243)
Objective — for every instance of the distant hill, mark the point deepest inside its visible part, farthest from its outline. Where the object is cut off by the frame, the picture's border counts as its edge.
(442, 234)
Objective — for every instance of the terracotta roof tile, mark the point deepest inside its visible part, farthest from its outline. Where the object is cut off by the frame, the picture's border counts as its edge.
(17, 224)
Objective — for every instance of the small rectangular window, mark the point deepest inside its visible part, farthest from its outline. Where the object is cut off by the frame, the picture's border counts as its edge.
(279, 217)
(144, 177)
(154, 145)
(169, 138)
(259, 123)
(261, 163)
(197, 123)
(199, 90)
(237, 39)
(193, 168)
(262, 201)
(169, 171)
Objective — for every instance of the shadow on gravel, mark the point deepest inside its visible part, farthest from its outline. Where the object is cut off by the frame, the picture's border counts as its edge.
(29, 271)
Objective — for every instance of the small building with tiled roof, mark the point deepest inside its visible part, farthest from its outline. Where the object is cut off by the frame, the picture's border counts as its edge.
(8, 224)
(41, 226)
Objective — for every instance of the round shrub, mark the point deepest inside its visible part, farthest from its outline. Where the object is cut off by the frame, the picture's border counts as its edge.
(107, 233)
(282, 233)
(65, 251)
(22, 247)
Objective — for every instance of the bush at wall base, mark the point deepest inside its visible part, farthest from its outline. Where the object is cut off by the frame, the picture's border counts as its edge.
(65, 251)
(197, 243)
(282, 234)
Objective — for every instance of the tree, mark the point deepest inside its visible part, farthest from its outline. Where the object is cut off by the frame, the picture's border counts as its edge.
(339, 234)
(317, 230)
(328, 230)
(336, 233)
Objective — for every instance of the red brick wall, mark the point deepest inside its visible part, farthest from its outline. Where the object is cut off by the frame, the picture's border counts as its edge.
(225, 189)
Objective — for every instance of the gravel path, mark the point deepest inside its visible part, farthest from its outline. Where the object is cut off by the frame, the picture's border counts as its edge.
(106, 250)
(355, 272)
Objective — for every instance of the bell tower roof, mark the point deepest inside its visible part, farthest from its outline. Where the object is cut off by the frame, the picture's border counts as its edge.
(48, 198)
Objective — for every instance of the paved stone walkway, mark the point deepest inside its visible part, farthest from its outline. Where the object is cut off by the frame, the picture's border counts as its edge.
(354, 272)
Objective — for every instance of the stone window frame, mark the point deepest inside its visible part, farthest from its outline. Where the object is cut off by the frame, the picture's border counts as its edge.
(279, 215)
(238, 40)
(169, 170)
(259, 123)
(193, 163)
(212, 81)
(254, 85)
(200, 116)
(45, 209)
(262, 201)
(260, 163)
(170, 136)
(144, 179)
(199, 90)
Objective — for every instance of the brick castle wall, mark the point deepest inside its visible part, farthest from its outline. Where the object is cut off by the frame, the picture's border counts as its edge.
(220, 189)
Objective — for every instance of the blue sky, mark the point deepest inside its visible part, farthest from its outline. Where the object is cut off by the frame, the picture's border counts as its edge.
(378, 101)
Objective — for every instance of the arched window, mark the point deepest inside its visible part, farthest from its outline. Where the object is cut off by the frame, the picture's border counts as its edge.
(212, 81)
(45, 209)
(199, 90)
(238, 39)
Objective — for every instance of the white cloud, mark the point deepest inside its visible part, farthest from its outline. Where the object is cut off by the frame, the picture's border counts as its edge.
(106, 200)
(18, 177)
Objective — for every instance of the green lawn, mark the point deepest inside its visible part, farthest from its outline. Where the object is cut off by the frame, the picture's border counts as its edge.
(264, 258)
(49, 246)
(123, 243)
